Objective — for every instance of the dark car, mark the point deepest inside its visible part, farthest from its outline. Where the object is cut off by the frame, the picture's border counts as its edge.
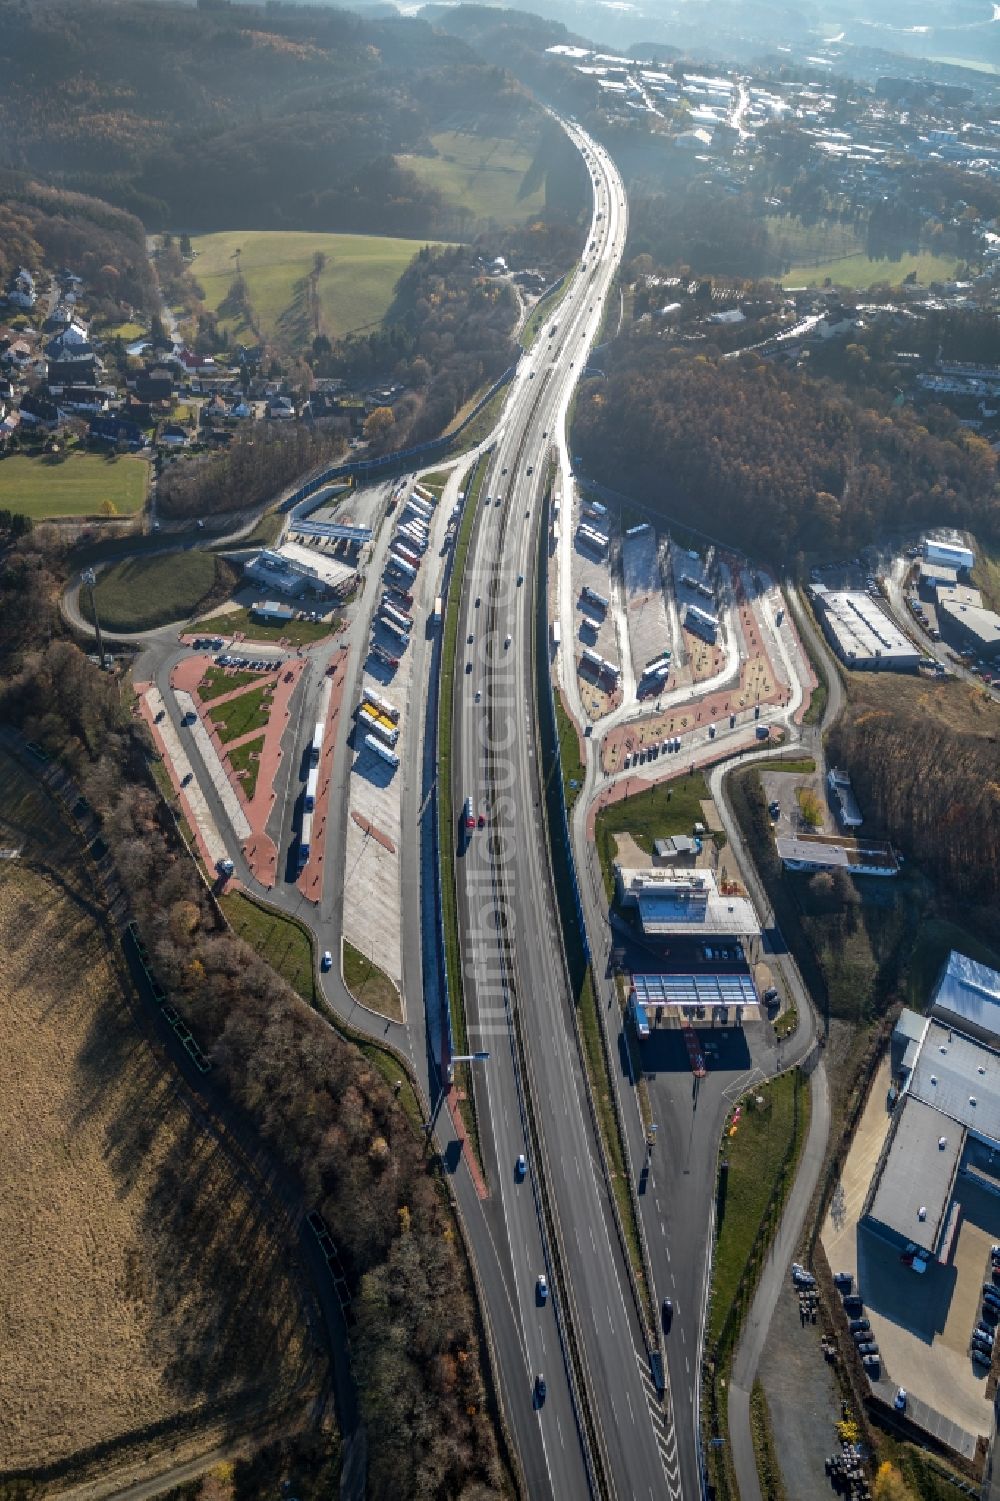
(856, 1326)
(990, 1313)
(854, 1303)
(540, 1390)
(667, 1314)
(868, 1348)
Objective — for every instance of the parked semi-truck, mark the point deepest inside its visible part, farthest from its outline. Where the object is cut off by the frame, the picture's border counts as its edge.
(403, 637)
(316, 748)
(389, 612)
(402, 565)
(384, 707)
(438, 613)
(305, 838)
(386, 754)
(397, 611)
(376, 725)
(312, 789)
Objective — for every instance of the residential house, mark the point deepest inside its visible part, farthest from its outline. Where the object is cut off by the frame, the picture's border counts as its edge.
(154, 384)
(172, 435)
(21, 292)
(39, 411)
(111, 427)
(84, 371)
(281, 408)
(8, 427)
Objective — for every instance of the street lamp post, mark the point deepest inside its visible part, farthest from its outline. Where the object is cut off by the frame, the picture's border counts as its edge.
(89, 578)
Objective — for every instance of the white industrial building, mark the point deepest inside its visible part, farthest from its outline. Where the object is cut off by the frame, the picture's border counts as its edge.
(685, 902)
(951, 554)
(869, 857)
(286, 575)
(946, 1125)
(969, 626)
(861, 633)
(842, 793)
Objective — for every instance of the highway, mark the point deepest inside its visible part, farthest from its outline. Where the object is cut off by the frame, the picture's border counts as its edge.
(513, 963)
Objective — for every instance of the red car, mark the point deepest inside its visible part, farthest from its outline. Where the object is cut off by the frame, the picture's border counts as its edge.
(482, 820)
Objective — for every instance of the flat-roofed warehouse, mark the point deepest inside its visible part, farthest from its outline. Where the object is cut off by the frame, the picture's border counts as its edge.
(911, 1189)
(969, 626)
(861, 633)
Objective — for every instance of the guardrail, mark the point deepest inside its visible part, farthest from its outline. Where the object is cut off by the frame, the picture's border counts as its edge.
(653, 1350)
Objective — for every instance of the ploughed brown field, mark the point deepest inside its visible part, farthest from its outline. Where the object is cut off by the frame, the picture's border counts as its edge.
(142, 1288)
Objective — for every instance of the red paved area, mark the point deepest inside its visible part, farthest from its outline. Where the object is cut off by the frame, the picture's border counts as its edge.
(141, 690)
(758, 683)
(453, 1097)
(629, 786)
(376, 833)
(260, 849)
(310, 882)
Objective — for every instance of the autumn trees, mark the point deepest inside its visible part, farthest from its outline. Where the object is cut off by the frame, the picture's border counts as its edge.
(773, 461)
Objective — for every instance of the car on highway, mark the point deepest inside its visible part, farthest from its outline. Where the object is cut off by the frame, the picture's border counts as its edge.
(327, 960)
(520, 1167)
(667, 1314)
(540, 1389)
(468, 667)
(531, 468)
(481, 820)
(520, 578)
(470, 817)
(479, 693)
(472, 637)
(478, 601)
(499, 500)
(899, 1401)
(542, 1288)
(506, 641)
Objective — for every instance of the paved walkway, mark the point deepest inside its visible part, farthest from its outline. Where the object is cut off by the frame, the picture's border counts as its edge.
(751, 1344)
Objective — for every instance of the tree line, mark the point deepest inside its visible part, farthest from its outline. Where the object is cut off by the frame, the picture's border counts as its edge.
(318, 1106)
(255, 467)
(929, 777)
(773, 460)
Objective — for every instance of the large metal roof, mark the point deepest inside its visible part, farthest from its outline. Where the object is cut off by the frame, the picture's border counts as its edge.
(970, 991)
(694, 990)
(959, 1077)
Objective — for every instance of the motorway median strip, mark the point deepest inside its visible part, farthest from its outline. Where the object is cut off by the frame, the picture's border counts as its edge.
(590, 1033)
(447, 808)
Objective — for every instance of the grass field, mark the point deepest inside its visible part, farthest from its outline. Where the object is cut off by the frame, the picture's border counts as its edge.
(81, 484)
(986, 576)
(756, 1153)
(142, 1282)
(246, 759)
(569, 755)
(824, 240)
(860, 271)
(218, 681)
(145, 592)
(480, 174)
(280, 940)
(298, 632)
(370, 985)
(355, 288)
(238, 716)
(671, 808)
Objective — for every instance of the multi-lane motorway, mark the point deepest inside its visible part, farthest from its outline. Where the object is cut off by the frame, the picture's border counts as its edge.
(600, 1427)
(513, 962)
